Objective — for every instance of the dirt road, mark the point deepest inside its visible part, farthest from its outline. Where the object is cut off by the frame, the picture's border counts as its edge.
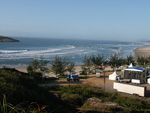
(91, 80)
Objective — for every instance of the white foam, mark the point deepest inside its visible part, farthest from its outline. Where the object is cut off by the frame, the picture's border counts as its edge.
(20, 54)
(47, 50)
(117, 51)
(12, 51)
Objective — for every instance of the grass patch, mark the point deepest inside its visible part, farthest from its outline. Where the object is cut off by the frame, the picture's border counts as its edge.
(83, 77)
(48, 80)
(77, 95)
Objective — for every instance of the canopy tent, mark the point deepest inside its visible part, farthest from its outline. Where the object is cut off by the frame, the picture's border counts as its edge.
(132, 68)
(135, 73)
(114, 76)
(131, 65)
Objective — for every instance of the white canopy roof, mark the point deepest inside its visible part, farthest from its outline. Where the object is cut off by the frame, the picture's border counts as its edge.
(132, 68)
(114, 76)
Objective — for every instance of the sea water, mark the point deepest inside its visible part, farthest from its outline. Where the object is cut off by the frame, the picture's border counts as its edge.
(23, 52)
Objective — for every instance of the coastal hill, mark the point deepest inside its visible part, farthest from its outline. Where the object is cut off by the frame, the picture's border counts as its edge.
(7, 39)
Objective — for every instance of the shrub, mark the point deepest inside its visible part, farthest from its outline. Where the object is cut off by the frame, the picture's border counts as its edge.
(83, 72)
(74, 99)
(22, 89)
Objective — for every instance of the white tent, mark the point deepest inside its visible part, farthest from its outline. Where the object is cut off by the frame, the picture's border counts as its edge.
(114, 76)
(131, 65)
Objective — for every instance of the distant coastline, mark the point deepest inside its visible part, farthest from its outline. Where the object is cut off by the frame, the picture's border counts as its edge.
(7, 39)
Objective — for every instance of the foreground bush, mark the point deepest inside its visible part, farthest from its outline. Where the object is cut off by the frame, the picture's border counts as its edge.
(22, 91)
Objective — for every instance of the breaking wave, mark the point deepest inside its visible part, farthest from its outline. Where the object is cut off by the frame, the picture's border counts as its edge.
(19, 54)
(12, 51)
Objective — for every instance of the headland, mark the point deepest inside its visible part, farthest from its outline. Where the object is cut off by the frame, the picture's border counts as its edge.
(7, 39)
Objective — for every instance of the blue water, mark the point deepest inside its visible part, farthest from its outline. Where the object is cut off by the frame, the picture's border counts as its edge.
(23, 52)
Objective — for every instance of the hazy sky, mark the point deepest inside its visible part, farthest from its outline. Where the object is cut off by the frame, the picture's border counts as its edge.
(91, 19)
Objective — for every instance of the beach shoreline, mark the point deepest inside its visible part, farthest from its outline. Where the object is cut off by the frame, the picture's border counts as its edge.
(139, 51)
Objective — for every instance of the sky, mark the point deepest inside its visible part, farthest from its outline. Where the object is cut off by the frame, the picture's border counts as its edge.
(81, 19)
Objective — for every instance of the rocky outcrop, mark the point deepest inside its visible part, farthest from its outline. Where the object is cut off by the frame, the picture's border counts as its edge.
(95, 104)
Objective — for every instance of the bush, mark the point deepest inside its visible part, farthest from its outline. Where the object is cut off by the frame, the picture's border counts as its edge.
(83, 72)
(74, 95)
(74, 99)
(22, 89)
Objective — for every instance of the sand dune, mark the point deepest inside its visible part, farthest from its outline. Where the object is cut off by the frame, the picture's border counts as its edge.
(142, 51)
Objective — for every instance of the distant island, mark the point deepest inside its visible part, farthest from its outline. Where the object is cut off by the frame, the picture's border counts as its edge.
(7, 39)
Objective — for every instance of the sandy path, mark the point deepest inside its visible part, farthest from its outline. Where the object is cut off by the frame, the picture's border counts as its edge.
(99, 82)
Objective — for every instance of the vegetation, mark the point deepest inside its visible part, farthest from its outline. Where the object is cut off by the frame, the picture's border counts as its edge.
(23, 93)
(96, 63)
(99, 62)
(37, 68)
(115, 61)
(93, 61)
(60, 66)
(78, 95)
(38, 65)
(130, 60)
(19, 92)
(70, 67)
(86, 68)
(143, 61)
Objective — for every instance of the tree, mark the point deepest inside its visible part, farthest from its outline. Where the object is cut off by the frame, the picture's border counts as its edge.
(100, 60)
(42, 64)
(86, 64)
(143, 60)
(129, 60)
(121, 61)
(114, 61)
(30, 69)
(70, 67)
(37, 66)
(93, 61)
(59, 66)
(97, 61)
(148, 60)
(34, 64)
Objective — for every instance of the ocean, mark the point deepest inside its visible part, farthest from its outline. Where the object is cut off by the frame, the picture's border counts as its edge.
(23, 52)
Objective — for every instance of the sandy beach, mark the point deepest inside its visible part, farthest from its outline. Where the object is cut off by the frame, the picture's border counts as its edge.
(22, 69)
(142, 51)
(78, 69)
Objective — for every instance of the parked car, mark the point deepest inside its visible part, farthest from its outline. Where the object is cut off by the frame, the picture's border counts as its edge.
(72, 77)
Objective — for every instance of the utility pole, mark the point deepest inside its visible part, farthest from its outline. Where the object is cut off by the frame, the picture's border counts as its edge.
(104, 77)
